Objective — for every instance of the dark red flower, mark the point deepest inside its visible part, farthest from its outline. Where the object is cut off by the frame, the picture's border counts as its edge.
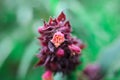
(94, 72)
(60, 52)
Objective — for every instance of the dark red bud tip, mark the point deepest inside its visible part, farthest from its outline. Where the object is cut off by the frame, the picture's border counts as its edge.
(67, 24)
(52, 21)
(60, 52)
(74, 48)
(61, 17)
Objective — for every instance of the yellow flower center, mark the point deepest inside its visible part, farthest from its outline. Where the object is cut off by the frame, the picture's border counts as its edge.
(58, 39)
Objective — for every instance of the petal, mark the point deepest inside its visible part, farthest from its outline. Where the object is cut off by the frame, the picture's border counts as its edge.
(39, 55)
(52, 22)
(67, 24)
(67, 27)
(61, 17)
(40, 30)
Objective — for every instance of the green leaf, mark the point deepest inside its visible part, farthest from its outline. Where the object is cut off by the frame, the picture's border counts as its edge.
(6, 47)
(26, 60)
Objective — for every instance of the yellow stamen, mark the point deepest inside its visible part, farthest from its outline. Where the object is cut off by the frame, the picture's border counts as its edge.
(58, 39)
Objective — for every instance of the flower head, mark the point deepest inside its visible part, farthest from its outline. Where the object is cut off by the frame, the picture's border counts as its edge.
(60, 51)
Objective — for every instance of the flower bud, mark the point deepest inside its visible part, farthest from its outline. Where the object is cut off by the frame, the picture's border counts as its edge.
(61, 17)
(74, 48)
(47, 76)
(60, 52)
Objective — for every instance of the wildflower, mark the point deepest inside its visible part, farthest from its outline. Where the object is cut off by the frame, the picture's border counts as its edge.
(93, 72)
(58, 39)
(58, 46)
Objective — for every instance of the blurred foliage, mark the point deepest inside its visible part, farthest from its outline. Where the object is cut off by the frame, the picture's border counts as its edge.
(95, 22)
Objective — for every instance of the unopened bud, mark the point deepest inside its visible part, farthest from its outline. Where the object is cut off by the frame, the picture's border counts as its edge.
(60, 52)
(47, 76)
(74, 48)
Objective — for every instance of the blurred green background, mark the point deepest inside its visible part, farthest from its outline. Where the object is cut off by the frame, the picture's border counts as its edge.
(95, 22)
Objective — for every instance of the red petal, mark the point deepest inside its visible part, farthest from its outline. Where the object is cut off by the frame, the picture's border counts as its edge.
(50, 20)
(61, 17)
(40, 30)
(67, 24)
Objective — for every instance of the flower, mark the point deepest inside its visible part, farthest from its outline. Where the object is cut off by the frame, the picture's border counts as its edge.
(58, 39)
(94, 72)
(60, 51)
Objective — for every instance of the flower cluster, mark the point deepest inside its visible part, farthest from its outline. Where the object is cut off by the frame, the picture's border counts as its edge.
(60, 51)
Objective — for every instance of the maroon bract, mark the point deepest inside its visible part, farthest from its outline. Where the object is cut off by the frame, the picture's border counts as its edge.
(60, 51)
